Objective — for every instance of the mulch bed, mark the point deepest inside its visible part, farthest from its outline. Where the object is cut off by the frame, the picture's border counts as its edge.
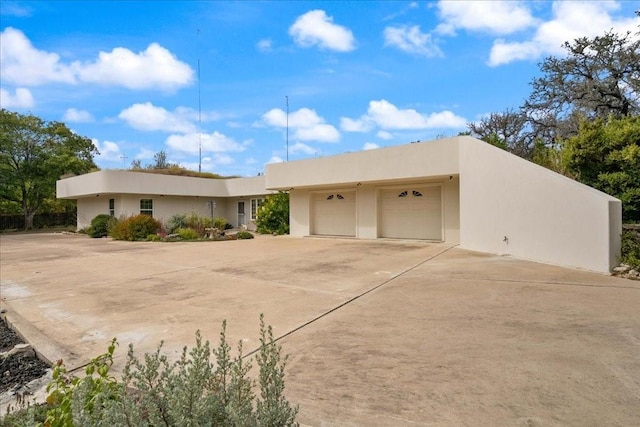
(18, 369)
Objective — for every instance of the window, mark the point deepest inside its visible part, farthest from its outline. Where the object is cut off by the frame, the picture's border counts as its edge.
(112, 207)
(255, 205)
(146, 206)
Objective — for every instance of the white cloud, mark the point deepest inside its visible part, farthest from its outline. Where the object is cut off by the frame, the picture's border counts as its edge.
(388, 116)
(148, 117)
(299, 147)
(496, 17)
(275, 159)
(154, 67)
(358, 125)
(571, 20)
(21, 99)
(411, 40)
(370, 146)
(211, 143)
(145, 153)
(305, 124)
(109, 151)
(383, 134)
(316, 28)
(209, 163)
(22, 64)
(74, 115)
(265, 45)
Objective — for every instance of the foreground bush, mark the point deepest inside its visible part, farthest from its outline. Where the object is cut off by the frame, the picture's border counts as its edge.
(242, 235)
(273, 215)
(630, 248)
(137, 227)
(204, 387)
(100, 225)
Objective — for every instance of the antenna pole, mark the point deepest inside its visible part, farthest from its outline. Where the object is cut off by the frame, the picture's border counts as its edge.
(287, 98)
(199, 118)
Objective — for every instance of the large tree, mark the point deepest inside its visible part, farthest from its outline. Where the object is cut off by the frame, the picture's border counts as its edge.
(34, 154)
(605, 154)
(508, 130)
(598, 77)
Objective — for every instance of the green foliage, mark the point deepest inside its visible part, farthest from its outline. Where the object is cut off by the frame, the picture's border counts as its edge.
(204, 387)
(177, 221)
(187, 233)
(273, 215)
(75, 401)
(137, 227)
(198, 223)
(605, 154)
(272, 408)
(242, 235)
(100, 225)
(220, 223)
(630, 248)
(154, 238)
(33, 155)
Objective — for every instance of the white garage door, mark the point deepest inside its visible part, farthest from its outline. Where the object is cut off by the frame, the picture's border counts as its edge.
(411, 213)
(334, 213)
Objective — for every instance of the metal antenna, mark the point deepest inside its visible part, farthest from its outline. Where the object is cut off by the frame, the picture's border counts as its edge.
(287, 98)
(199, 118)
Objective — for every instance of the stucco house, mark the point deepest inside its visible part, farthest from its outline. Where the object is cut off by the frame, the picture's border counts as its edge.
(457, 190)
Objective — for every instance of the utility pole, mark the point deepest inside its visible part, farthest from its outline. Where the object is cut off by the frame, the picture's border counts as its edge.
(124, 163)
(199, 117)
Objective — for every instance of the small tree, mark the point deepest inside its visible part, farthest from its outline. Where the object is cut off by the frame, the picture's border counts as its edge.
(273, 215)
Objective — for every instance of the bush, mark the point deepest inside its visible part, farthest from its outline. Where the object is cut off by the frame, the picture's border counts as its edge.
(241, 235)
(630, 248)
(100, 225)
(177, 221)
(220, 223)
(273, 215)
(204, 387)
(187, 233)
(137, 227)
(198, 223)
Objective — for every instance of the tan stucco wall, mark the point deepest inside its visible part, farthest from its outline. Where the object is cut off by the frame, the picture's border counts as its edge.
(367, 212)
(391, 164)
(126, 182)
(543, 215)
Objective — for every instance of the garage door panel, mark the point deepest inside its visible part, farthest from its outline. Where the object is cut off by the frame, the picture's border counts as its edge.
(411, 213)
(334, 213)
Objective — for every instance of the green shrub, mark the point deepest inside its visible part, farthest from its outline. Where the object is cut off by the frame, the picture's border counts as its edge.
(241, 235)
(187, 233)
(273, 215)
(630, 248)
(137, 227)
(177, 221)
(204, 387)
(100, 225)
(220, 223)
(154, 238)
(198, 223)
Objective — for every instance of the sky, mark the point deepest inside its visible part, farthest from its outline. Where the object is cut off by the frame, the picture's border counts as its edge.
(247, 83)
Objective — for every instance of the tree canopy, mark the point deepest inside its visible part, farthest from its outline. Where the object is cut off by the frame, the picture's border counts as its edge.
(581, 118)
(34, 154)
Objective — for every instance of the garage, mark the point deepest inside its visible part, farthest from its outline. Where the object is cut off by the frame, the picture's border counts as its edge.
(411, 213)
(334, 213)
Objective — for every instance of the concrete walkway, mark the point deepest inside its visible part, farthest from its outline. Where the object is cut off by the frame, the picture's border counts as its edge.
(379, 332)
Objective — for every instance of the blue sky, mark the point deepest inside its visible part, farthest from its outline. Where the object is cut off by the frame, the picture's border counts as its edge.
(358, 75)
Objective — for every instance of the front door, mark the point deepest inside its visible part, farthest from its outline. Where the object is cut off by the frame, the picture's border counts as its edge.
(240, 214)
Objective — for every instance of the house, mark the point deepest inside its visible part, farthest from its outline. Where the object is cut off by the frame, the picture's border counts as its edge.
(124, 193)
(458, 190)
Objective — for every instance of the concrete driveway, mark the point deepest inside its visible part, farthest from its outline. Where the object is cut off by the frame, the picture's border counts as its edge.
(379, 332)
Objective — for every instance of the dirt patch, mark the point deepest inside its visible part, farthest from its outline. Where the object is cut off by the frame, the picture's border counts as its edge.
(19, 369)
